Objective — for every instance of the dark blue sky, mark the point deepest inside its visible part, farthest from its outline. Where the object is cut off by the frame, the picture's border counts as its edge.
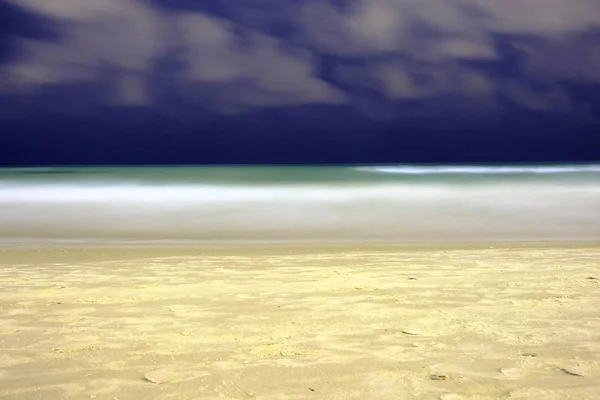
(299, 81)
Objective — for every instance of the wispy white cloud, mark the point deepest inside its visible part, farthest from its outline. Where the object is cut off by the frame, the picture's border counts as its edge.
(256, 70)
(396, 82)
(126, 37)
(122, 36)
(438, 34)
(544, 98)
(409, 48)
(541, 17)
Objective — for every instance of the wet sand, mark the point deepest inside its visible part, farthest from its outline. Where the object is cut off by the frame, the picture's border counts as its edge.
(345, 322)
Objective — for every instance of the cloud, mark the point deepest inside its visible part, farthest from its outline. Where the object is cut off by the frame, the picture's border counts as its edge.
(400, 49)
(397, 80)
(555, 38)
(259, 69)
(574, 58)
(124, 38)
(120, 37)
(539, 17)
(544, 98)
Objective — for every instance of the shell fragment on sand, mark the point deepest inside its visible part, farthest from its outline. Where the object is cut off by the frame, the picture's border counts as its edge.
(160, 376)
(575, 371)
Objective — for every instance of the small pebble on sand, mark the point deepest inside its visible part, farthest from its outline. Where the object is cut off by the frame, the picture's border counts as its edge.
(438, 377)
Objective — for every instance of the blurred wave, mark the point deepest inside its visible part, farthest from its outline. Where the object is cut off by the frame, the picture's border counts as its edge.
(354, 209)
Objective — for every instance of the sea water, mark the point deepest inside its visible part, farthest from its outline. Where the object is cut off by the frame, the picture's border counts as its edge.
(316, 204)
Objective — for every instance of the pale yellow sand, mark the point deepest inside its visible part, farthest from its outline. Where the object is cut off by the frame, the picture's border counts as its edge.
(301, 323)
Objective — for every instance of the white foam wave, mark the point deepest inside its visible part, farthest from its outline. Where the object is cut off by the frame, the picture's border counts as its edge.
(360, 212)
(199, 194)
(420, 170)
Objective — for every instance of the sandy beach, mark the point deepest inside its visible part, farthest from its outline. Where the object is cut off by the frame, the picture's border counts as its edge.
(347, 322)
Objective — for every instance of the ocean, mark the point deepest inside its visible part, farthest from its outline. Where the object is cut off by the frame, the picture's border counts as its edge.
(297, 204)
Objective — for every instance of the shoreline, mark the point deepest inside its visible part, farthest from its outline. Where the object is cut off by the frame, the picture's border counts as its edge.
(84, 252)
